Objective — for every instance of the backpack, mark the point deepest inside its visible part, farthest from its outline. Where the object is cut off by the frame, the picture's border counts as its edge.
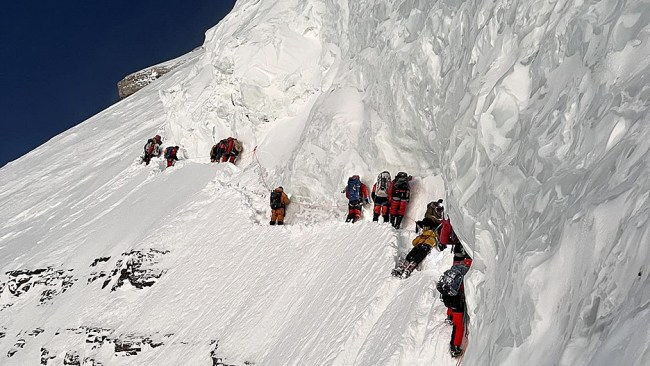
(222, 146)
(170, 152)
(446, 232)
(383, 182)
(276, 200)
(451, 280)
(149, 146)
(354, 189)
(401, 189)
(238, 146)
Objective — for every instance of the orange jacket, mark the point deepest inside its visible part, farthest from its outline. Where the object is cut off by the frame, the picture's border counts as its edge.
(427, 237)
(285, 199)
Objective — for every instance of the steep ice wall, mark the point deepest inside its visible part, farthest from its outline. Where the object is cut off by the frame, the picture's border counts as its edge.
(535, 112)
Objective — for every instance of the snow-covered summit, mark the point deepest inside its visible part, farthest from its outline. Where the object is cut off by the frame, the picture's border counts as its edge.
(529, 117)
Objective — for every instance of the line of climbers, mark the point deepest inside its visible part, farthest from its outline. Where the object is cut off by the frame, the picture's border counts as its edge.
(450, 287)
(153, 149)
(227, 150)
(390, 198)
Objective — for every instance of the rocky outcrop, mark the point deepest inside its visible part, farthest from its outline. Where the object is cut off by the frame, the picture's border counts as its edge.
(51, 282)
(137, 268)
(138, 80)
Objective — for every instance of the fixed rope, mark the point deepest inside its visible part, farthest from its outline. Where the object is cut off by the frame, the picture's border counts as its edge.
(261, 168)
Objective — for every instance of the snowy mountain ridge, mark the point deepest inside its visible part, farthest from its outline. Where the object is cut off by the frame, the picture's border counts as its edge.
(529, 118)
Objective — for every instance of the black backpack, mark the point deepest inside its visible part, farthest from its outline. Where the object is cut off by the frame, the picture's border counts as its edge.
(451, 280)
(148, 147)
(276, 200)
(169, 152)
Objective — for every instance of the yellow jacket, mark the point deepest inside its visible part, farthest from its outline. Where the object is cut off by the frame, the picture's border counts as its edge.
(427, 237)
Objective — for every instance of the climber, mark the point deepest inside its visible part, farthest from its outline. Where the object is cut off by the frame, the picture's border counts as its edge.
(380, 196)
(357, 194)
(279, 201)
(151, 149)
(452, 294)
(399, 194)
(435, 211)
(217, 151)
(170, 155)
(422, 245)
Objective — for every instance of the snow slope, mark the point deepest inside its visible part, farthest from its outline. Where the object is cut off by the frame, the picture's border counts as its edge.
(529, 117)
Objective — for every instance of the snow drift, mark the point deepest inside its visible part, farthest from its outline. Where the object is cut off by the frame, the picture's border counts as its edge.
(529, 117)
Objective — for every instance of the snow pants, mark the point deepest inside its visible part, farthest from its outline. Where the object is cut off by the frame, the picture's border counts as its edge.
(354, 211)
(381, 208)
(418, 253)
(458, 330)
(398, 208)
(170, 162)
(277, 215)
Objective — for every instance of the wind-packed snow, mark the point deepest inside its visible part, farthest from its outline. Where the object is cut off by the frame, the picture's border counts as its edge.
(530, 118)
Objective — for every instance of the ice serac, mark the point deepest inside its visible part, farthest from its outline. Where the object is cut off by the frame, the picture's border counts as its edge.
(534, 113)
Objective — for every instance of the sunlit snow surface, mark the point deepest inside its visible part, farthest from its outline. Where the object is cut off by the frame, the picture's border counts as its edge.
(534, 114)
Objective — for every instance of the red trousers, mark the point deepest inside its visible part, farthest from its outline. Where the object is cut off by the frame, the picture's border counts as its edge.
(398, 208)
(354, 212)
(458, 330)
(381, 210)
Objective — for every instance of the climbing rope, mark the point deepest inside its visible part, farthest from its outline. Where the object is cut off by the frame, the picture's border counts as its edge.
(261, 168)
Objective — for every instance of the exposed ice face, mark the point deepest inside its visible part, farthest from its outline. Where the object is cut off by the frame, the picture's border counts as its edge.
(534, 113)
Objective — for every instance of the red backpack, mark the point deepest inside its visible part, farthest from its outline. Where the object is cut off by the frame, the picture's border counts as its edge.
(447, 235)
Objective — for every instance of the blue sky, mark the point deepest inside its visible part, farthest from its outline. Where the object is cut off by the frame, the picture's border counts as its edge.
(60, 61)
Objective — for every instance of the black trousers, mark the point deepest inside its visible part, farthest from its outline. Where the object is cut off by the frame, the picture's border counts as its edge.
(418, 253)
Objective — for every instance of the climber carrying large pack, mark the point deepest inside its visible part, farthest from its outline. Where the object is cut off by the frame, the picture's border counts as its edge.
(171, 155)
(435, 211)
(151, 149)
(422, 246)
(279, 201)
(380, 196)
(357, 194)
(217, 151)
(226, 150)
(399, 194)
(452, 294)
